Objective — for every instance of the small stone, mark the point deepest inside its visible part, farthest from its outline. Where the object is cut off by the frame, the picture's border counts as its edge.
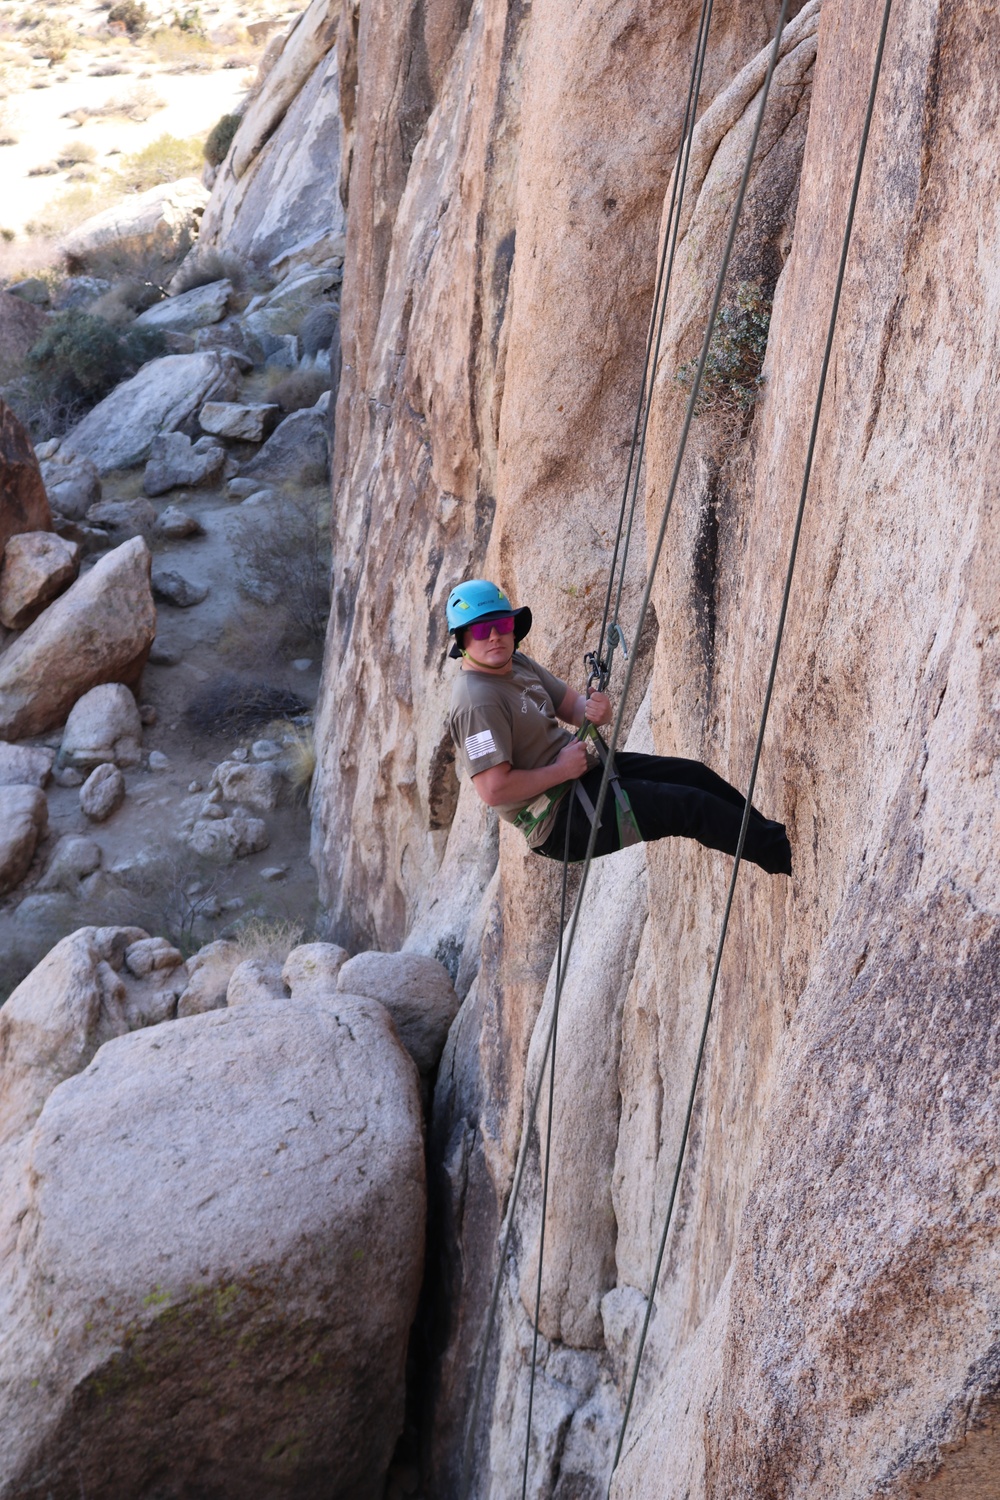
(102, 793)
(239, 489)
(122, 519)
(162, 656)
(147, 714)
(48, 449)
(195, 786)
(67, 776)
(240, 753)
(171, 588)
(261, 499)
(235, 903)
(302, 664)
(176, 524)
(214, 796)
(210, 809)
(175, 461)
(158, 761)
(265, 750)
(274, 872)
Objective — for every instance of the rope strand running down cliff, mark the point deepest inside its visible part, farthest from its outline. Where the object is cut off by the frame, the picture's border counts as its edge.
(765, 711)
(619, 716)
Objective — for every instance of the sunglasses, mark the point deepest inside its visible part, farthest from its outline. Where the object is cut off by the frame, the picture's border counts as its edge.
(482, 629)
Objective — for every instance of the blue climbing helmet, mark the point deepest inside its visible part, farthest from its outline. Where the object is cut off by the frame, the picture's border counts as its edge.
(478, 599)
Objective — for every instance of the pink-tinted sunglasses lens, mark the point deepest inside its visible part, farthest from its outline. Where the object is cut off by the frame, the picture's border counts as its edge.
(482, 628)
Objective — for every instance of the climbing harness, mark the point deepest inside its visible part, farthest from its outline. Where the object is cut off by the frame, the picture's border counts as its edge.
(765, 711)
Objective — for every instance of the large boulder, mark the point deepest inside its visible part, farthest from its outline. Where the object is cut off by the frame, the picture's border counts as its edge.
(100, 630)
(416, 991)
(25, 765)
(73, 483)
(119, 432)
(209, 973)
(24, 505)
(23, 818)
(219, 1239)
(310, 970)
(162, 221)
(198, 308)
(36, 567)
(250, 785)
(226, 839)
(78, 997)
(174, 461)
(229, 419)
(104, 728)
(296, 452)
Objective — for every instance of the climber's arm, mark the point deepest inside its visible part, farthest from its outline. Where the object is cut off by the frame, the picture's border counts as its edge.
(577, 707)
(502, 786)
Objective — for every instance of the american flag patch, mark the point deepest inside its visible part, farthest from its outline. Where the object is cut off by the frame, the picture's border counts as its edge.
(478, 745)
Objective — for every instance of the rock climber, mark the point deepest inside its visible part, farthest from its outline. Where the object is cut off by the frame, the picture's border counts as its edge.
(505, 722)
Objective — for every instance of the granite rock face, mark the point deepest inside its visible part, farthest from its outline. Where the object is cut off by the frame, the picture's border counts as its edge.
(277, 186)
(825, 1319)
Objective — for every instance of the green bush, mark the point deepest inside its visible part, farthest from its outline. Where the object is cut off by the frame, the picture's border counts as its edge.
(80, 358)
(220, 138)
(732, 378)
(164, 160)
(134, 15)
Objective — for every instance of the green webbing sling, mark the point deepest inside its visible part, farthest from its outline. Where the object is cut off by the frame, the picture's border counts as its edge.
(530, 817)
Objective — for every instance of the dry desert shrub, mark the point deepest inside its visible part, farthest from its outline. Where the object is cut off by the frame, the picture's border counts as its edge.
(236, 705)
(270, 938)
(202, 267)
(298, 756)
(296, 390)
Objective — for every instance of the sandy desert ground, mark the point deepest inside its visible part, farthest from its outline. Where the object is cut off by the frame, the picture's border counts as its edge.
(167, 82)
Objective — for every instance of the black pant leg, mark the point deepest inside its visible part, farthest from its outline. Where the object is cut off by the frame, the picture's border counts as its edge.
(681, 772)
(665, 810)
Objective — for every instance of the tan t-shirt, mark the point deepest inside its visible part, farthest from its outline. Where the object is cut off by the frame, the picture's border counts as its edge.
(508, 717)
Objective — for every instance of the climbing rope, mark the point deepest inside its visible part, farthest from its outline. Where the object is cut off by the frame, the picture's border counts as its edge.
(611, 633)
(765, 711)
(615, 736)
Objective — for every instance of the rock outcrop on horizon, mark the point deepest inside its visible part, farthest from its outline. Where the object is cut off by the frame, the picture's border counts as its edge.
(825, 1320)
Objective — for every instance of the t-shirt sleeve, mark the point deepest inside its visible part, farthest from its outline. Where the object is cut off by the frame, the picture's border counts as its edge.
(482, 736)
(554, 686)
